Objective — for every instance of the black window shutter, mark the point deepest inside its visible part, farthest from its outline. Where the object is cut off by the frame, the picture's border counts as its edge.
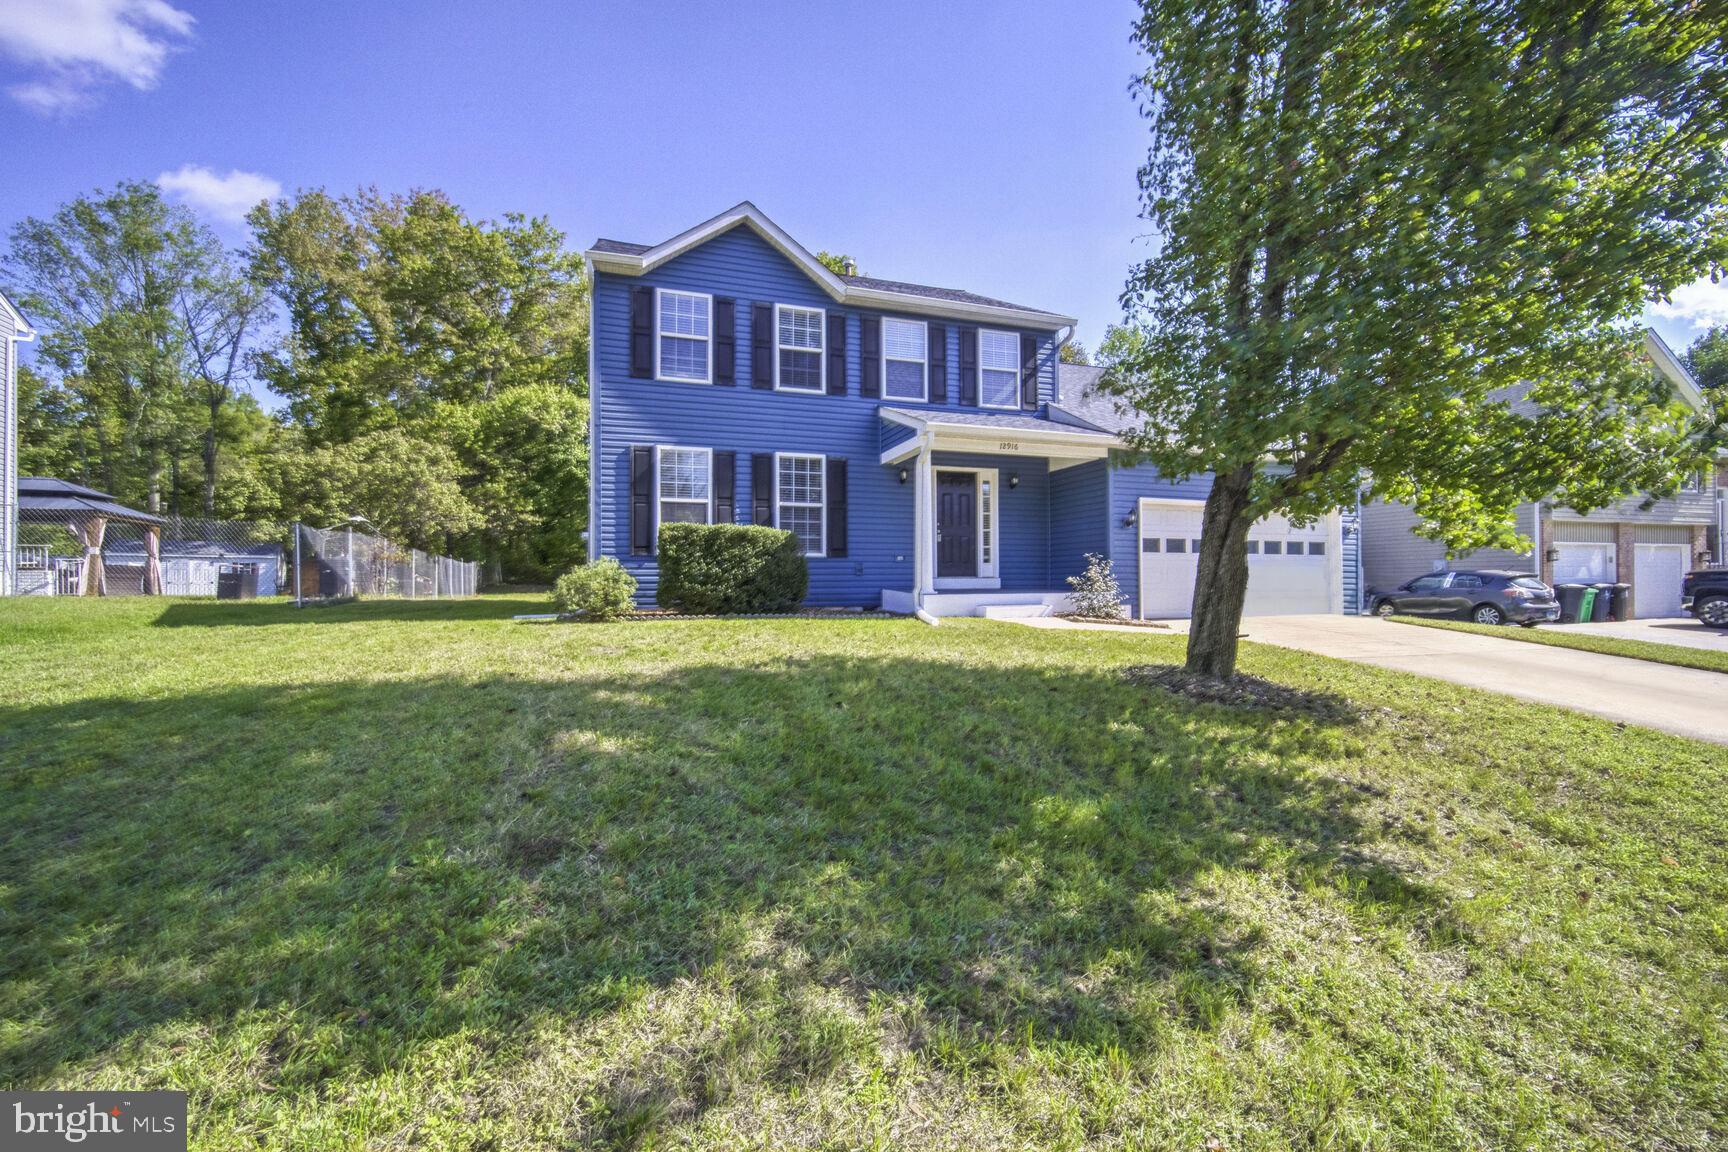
(642, 331)
(836, 506)
(1028, 370)
(762, 346)
(938, 337)
(725, 341)
(836, 353)
(969, 367)
(641, 501)
(725, 487)
(762, 488)
(870, 356)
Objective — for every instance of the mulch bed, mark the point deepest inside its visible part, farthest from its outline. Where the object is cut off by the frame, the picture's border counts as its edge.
(1123, 620)
(1242, 691)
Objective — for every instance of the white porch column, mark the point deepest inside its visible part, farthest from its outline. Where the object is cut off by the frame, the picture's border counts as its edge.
(923, 527)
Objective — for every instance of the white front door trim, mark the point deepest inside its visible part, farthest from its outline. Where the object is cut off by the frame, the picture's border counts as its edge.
(989, 519)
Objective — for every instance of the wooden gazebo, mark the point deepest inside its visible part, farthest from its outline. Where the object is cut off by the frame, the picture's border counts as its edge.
(86, 514)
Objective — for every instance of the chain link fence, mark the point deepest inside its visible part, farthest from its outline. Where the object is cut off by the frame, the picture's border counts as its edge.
(249, 558)
(335, 563)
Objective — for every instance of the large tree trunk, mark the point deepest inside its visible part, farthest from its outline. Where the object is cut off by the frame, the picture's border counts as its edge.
(1221, 584)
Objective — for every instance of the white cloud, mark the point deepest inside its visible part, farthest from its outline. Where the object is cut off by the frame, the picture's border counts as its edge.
(225, 198)
(78, 46)
(1699, 304)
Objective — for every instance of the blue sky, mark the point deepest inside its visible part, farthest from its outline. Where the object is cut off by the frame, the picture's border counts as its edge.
(987, 146)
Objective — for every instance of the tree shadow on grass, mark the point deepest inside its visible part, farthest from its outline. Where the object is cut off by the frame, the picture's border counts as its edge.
(381, 864)
(262, 613)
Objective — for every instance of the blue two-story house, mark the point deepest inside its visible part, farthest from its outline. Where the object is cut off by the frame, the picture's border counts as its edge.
(919, 441)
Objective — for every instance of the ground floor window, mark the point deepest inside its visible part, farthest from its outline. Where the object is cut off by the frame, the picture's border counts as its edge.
(684, 480)
(801, 500)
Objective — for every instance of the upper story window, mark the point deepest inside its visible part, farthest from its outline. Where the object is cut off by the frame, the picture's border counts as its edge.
(685, 476)
(798, 348)
(998, 369)
(1694, 482)
(905, 365)
(684, 350)
(800, 500)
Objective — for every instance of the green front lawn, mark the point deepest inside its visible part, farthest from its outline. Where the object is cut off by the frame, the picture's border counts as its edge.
(415, 876)
(1557, 636)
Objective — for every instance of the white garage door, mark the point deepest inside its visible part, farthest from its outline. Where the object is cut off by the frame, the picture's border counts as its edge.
(1290, 569)
(1656, 579)
(1584, 563)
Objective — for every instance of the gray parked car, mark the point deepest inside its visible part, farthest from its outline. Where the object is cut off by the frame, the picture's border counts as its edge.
(1485, 596)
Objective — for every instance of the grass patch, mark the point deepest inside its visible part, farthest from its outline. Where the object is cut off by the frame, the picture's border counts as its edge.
(411, 875)
(1656, 653)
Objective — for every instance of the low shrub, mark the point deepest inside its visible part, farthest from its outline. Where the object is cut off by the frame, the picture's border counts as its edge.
(600, 590)
(730, 568)
(1096, 592)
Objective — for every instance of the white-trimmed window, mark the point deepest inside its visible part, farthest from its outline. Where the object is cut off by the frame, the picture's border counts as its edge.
(905, 361)
(800, 499)
(683, 479)
(998, 369)
(683, 348)
(798, 348)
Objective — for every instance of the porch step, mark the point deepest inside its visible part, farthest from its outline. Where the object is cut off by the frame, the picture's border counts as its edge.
(1014, 611)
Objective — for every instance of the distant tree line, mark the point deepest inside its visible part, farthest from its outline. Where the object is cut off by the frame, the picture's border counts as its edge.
(429, 369)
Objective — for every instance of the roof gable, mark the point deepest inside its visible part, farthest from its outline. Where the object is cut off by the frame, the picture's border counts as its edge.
(631, 259)
(21, 329)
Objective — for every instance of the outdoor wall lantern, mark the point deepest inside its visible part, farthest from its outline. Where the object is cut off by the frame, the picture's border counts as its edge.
(1013, 479)
(903, 474)
(1551, 554)
(1128, 520)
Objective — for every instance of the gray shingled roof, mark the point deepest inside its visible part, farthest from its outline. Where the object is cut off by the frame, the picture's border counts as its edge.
(622, 247)
(953, 295)
(988, 420)
(1077, 385)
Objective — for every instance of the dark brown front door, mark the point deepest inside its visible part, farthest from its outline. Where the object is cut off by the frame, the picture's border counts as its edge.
(956, 524)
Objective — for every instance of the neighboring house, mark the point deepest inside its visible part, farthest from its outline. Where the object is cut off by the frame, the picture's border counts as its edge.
(14, 330)
(1647, 544)
(916, 439)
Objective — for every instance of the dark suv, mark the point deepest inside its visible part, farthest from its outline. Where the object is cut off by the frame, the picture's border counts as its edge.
(1485, 596)
(1705, 594)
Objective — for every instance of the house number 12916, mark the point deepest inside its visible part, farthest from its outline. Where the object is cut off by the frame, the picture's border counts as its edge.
(1008, 446)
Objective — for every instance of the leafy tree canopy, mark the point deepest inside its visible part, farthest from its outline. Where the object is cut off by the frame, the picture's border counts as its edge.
(1074, 352)
(1707, 360)
(1380, 223)
(396, 304)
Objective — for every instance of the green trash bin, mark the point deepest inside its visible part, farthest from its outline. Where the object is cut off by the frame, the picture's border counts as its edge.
(1587, 606)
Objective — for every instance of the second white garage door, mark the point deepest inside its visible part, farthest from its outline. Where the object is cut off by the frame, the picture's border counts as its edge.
(1290, 570)
(1658, 570)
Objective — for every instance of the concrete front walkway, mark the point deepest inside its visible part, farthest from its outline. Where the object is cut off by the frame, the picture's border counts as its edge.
(1685, 701)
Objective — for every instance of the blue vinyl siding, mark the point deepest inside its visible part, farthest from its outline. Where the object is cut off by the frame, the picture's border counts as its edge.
(1079, 518)
(890, 434)
(1128, 485)
(745, 420)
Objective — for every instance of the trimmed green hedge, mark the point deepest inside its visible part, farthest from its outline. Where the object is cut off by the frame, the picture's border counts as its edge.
(730, 568)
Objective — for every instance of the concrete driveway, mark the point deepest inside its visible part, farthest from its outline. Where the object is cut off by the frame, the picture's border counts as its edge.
(1685, 701)
(1684, 631)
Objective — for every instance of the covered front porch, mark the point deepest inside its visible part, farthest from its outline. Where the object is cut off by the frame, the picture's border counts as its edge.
(1003, 506)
